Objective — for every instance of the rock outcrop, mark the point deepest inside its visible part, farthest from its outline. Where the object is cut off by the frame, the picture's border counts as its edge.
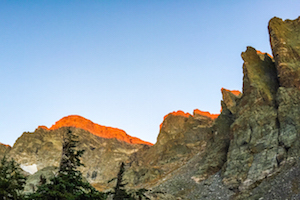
(285, 43)
(4, 149)
(254, 146)
(229, 99)
(181, 136)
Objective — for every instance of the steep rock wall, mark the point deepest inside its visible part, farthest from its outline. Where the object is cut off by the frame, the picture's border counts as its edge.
(181, 136)
(254, 146)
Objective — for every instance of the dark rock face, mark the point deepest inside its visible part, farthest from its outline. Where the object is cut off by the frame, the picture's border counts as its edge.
(266, 129)
(4, 149)
(230, 99)
(285, 43)
(253, 149)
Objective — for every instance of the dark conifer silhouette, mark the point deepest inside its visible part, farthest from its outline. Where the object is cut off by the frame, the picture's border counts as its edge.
(11, 180)
(68, 184)
(121, 193)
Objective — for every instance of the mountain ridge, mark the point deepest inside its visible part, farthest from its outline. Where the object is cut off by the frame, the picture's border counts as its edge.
(96, 129)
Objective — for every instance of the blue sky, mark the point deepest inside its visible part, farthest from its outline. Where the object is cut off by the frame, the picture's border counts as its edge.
(124, 64)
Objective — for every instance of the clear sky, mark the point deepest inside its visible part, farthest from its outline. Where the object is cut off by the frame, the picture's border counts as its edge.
(124, 64)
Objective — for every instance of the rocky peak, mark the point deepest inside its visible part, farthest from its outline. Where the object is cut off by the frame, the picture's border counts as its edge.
(176, 115)
(96, 129)
(254, 131)
(285, 43)
(175, 123)
(236, 93)
(229, 99)
(198, 113)
(6, 145)
(260, 75)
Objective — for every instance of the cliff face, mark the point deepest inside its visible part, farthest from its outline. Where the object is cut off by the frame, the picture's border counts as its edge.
(181, 136)
(285, 42)
(266, 126)
(253, 149)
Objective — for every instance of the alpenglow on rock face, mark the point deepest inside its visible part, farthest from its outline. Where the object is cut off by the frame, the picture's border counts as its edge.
(96, 129)
(250, 151)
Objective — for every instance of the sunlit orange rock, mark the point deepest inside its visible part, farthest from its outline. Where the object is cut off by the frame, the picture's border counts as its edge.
(235, 92)
(206, 114)
(196, 112)
(43, 127)
(5, 144)
(175, 113)
(96, 129)
(229, 99)
(259, 52)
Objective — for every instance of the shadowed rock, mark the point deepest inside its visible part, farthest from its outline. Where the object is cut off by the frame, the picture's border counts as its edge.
(4, 149)
(230, 98)
(285, 43)
(254, 145)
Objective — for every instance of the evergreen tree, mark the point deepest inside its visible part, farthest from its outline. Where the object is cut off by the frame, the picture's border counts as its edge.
(119, 190)
(11, 180)
(140, 194)
(68, 184)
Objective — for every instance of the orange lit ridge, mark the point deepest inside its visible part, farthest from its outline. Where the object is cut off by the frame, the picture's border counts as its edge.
(235, 92)
(5, 145)
(206, 114)
(96, 129)
(259, 52)
(183, 114)
(175, 113)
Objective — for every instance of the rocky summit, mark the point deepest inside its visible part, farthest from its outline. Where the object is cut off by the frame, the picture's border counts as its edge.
(96, 129)
(250, 150)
